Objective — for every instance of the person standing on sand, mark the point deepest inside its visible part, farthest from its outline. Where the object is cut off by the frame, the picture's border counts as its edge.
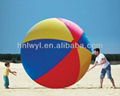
(6, 73)
(106, 68)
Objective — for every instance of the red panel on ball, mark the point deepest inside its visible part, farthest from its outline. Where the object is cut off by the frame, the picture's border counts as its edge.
(63, 74)
(75, 30)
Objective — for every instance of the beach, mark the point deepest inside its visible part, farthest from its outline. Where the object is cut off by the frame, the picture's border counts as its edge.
(22, 85)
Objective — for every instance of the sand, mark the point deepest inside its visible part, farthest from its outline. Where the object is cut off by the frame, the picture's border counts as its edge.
(22, 85)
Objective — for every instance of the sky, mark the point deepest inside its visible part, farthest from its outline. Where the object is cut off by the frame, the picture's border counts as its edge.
(100, 20)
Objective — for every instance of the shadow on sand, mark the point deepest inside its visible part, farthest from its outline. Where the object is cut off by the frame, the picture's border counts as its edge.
(63, 88)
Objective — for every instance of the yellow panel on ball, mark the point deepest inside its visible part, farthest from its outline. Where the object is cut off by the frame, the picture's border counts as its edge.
(85, 59)
(49, 29)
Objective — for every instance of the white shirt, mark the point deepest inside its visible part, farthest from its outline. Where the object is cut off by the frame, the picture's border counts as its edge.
(99, 59)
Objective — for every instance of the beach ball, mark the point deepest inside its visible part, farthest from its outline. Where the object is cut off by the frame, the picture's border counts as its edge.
(56, 53)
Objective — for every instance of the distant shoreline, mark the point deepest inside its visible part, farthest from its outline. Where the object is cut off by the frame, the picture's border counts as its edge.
(15, 58)
(111, 62)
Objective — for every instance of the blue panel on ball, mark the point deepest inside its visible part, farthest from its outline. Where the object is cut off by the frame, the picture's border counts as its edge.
(83, 41)
(38, 61)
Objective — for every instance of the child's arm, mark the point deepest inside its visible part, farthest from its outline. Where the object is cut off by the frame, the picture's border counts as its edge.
(94, 65)
(13, 72)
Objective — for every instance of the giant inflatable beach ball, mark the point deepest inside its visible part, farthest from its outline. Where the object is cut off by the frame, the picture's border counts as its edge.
(50, 56)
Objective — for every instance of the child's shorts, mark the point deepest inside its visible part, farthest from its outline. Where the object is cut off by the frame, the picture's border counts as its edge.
(106, 70)
(6, 81)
